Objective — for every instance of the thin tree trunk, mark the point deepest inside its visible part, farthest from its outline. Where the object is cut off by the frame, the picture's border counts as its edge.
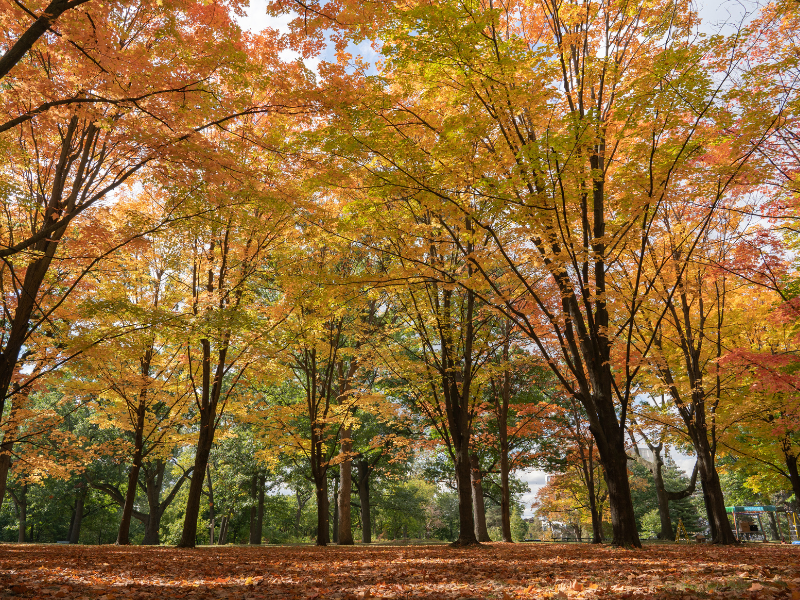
(210, 394)
(77, 517)
(211, 507)
(336, 509)
(666, 532)
(262, 481)
(123, 536)
(255, 534)
(323, 508)
(478, 506)
(502, 430)
(364, 471)
(345, 537)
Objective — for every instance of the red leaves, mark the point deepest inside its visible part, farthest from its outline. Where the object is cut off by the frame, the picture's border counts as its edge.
(508, 572)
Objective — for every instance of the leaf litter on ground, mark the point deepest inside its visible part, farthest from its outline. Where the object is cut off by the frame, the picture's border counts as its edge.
(499, 571)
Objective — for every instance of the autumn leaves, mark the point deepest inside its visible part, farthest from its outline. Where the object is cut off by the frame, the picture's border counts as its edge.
(198, 235)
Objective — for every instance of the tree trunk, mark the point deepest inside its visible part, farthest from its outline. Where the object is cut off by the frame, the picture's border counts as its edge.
(345, 537)
(615, 471)
(77, 516)
(211, 507)
(301, 503)
(223, 530)
(189, 535)
(255, 531)
(5, 466)
(502, 431)
(478, 506)
(712, 489)
(260, 516)
(666, 532)
(597, 518)
(466, 532)
(711, 523)
(364, 471)
(773, 526)
(794, 476)
(208, 415)
(138, 453)
(336, 509)
(21, 503)
(323, 506)
(153, 486)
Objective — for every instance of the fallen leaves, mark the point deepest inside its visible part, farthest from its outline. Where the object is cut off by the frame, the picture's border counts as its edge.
(494, 571)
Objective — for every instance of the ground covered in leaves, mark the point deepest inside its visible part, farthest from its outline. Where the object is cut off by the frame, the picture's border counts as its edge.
(493, 571)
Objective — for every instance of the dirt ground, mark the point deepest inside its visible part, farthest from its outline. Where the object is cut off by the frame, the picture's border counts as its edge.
(505, 571)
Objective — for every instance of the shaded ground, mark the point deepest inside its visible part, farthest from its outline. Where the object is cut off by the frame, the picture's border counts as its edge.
(495, 571)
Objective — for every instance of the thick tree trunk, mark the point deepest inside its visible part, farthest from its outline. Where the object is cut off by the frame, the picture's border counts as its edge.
(466, 532)
(151, 527)
(364, 471)
(712, 489)
(794, 475)
(478, 506)
(711, 524)
(615, 471)
(21, 502)
(5, 466)
(713, 500)
(345, 537)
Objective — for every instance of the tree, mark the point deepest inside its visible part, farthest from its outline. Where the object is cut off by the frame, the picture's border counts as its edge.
(559, 144)
(228, 256)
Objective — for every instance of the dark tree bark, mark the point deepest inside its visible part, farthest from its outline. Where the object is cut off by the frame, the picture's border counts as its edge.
(794, 475)
(364, 471)
(255, 530)
(154, 483)
(478, 506)
(77, 516)
(123, 538)
(323, 511)
(345, 525)
(21, 503)
(336, 508)
(36, 30)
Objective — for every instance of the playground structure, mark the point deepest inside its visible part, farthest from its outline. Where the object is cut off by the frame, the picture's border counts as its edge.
(746, 530)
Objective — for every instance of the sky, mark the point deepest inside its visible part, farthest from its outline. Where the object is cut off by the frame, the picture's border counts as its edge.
(715, 15)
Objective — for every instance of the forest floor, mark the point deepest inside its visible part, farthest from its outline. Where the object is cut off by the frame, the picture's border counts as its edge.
(502, 571)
